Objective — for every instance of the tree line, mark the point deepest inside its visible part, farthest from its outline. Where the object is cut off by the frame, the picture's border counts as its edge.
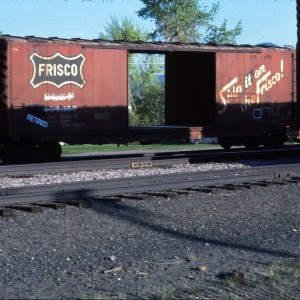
(184, 21)
(175, 21)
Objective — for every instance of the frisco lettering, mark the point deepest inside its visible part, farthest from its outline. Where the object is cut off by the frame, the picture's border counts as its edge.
(267, 82)
(57, 69)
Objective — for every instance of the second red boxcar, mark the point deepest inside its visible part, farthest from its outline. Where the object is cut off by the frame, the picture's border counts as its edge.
(238, 94)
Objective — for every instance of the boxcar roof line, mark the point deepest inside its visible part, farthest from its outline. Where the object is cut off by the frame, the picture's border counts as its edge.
(146, 47)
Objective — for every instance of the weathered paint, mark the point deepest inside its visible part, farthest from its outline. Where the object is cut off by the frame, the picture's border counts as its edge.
(231, 93)
(247, 83)
(62, 86)
(79, 88)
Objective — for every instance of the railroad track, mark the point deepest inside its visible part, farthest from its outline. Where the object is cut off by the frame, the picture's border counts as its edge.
(143, 160)
(158, 185)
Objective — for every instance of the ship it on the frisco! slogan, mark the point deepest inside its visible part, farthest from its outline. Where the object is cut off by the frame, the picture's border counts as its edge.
(253, 87)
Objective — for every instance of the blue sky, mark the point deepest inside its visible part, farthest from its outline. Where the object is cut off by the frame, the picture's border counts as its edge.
(262, 20)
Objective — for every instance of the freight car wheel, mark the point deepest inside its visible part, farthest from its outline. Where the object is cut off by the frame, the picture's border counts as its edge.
(225, 143)
(27, 152)
(39, 152)
(18, 152)
(275, 140)
(251, 143)
(51, 150)
(47, 151)
(8, 153)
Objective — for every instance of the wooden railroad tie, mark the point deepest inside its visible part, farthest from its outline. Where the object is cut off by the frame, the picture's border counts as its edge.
(6, 212)
(28, 208)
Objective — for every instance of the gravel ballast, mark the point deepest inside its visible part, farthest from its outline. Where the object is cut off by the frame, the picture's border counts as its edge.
(53, 178)
(232, 244)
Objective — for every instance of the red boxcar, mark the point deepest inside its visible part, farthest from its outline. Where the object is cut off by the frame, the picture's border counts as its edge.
(241, 95)
(76, 91)
(57, 88)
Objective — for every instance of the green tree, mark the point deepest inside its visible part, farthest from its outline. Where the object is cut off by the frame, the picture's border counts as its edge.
(124, 30)
(220, 35)
(184, 21)
(146, 93)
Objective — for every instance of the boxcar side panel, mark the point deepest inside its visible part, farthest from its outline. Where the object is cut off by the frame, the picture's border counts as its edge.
(253, 90)
(61, 89)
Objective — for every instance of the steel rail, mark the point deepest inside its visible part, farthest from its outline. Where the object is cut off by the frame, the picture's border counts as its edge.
(87, 165)
(135, 160)
(113, 187)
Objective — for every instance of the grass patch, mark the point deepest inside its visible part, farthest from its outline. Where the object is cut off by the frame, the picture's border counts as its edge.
(192, 257)
(78, 149)
(165, 294)
(234, 277)
(280, 271)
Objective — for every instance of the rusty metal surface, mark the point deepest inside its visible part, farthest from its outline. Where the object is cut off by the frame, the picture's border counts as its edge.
(139, 46)
(74, 87)
(231, 93)
(254, 87)
(61, 86)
